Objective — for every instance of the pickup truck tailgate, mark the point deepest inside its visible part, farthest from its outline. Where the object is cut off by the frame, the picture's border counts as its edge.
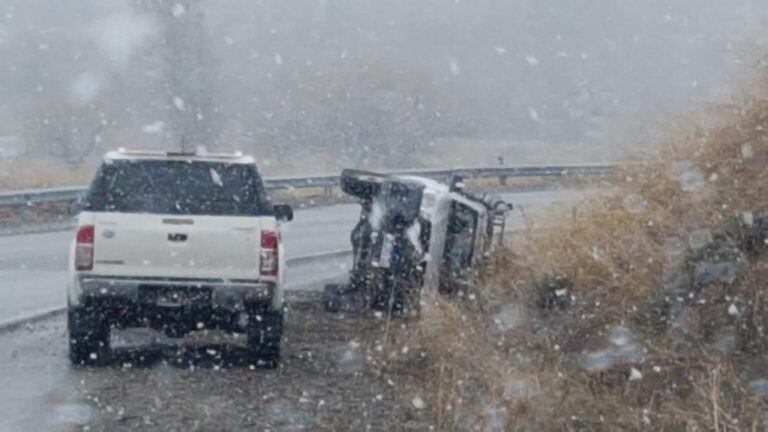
(151, 245)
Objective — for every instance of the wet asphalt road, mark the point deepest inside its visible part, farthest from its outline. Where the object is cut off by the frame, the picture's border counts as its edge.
(33, 267)
(201, 382)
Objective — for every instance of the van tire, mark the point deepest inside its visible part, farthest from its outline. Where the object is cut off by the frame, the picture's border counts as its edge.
(332, 297)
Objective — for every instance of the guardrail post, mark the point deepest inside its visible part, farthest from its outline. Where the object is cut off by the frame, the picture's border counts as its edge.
(23, 213)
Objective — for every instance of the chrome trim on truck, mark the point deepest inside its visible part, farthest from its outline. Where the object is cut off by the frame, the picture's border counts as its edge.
(233, 295)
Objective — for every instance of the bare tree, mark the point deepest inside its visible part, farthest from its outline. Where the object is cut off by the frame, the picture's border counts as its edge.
(187, 68)
(373, 111)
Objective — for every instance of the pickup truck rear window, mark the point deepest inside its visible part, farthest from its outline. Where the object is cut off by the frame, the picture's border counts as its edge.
(178, 187)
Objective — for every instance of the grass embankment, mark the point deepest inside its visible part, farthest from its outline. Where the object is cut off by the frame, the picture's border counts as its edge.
(43, 172)
(646, 309)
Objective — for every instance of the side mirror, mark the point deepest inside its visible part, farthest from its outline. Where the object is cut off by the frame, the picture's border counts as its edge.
(283, 213)
(76, 207)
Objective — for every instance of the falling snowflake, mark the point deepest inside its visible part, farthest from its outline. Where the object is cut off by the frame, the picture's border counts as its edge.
(153, 128)
(179, 103)
(454, 65)
(216, 178)
(85, 88)
(746, 151)
(418, 402)
(748, 218)
(178, 10)
(532, 60)
(733, 310)
(534, 114)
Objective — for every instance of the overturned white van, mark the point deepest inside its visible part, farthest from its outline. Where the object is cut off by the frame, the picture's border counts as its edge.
(414, 234)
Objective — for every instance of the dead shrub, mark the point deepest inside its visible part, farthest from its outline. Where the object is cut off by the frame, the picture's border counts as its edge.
(644, 310)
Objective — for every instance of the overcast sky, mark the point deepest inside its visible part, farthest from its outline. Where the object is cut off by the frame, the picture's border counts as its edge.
(559, 70)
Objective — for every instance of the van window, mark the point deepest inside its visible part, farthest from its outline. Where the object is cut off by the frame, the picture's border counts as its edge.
(459, 247)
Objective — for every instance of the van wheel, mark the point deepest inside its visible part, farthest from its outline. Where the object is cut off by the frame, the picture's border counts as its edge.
(88, 336)
(411, 301)
(265, 333)
(403, 298)
(332, 297)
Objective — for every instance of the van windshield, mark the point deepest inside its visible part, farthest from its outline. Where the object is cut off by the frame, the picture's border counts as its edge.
(178, 187)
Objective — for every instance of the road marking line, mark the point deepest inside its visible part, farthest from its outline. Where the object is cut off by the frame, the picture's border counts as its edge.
(15, 323)
(12, 324)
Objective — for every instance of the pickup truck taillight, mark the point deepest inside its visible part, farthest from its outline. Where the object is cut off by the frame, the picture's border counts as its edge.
(84, 248)
(269, 258)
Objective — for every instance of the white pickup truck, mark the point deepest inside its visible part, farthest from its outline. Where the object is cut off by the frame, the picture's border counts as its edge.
(176, 242)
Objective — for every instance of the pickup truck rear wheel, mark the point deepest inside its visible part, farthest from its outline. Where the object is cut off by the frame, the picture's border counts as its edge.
(265, 333)
(88, 336)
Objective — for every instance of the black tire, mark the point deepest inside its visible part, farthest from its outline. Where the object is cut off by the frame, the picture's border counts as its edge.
(380, 294)
(400, 298)
(88, 336)
(411, 301)
(265, 334)
(332, 297)
(405, 300)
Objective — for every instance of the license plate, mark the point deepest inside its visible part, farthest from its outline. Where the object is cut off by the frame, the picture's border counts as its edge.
(171, 298)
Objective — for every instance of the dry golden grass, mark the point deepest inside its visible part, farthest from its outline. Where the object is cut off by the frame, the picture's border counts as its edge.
(28, 173)
(613, 257)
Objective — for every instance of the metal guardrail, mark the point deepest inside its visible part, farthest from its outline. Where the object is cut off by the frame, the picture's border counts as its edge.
(72, 193)
(40, 196)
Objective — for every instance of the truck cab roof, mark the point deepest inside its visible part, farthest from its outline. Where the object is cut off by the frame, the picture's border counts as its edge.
(231, 158)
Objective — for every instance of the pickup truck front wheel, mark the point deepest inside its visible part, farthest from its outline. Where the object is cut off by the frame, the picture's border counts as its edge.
(265, 333)
(88, 336)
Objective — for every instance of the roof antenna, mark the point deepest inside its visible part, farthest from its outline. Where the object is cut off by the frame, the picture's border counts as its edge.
(183, 144)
